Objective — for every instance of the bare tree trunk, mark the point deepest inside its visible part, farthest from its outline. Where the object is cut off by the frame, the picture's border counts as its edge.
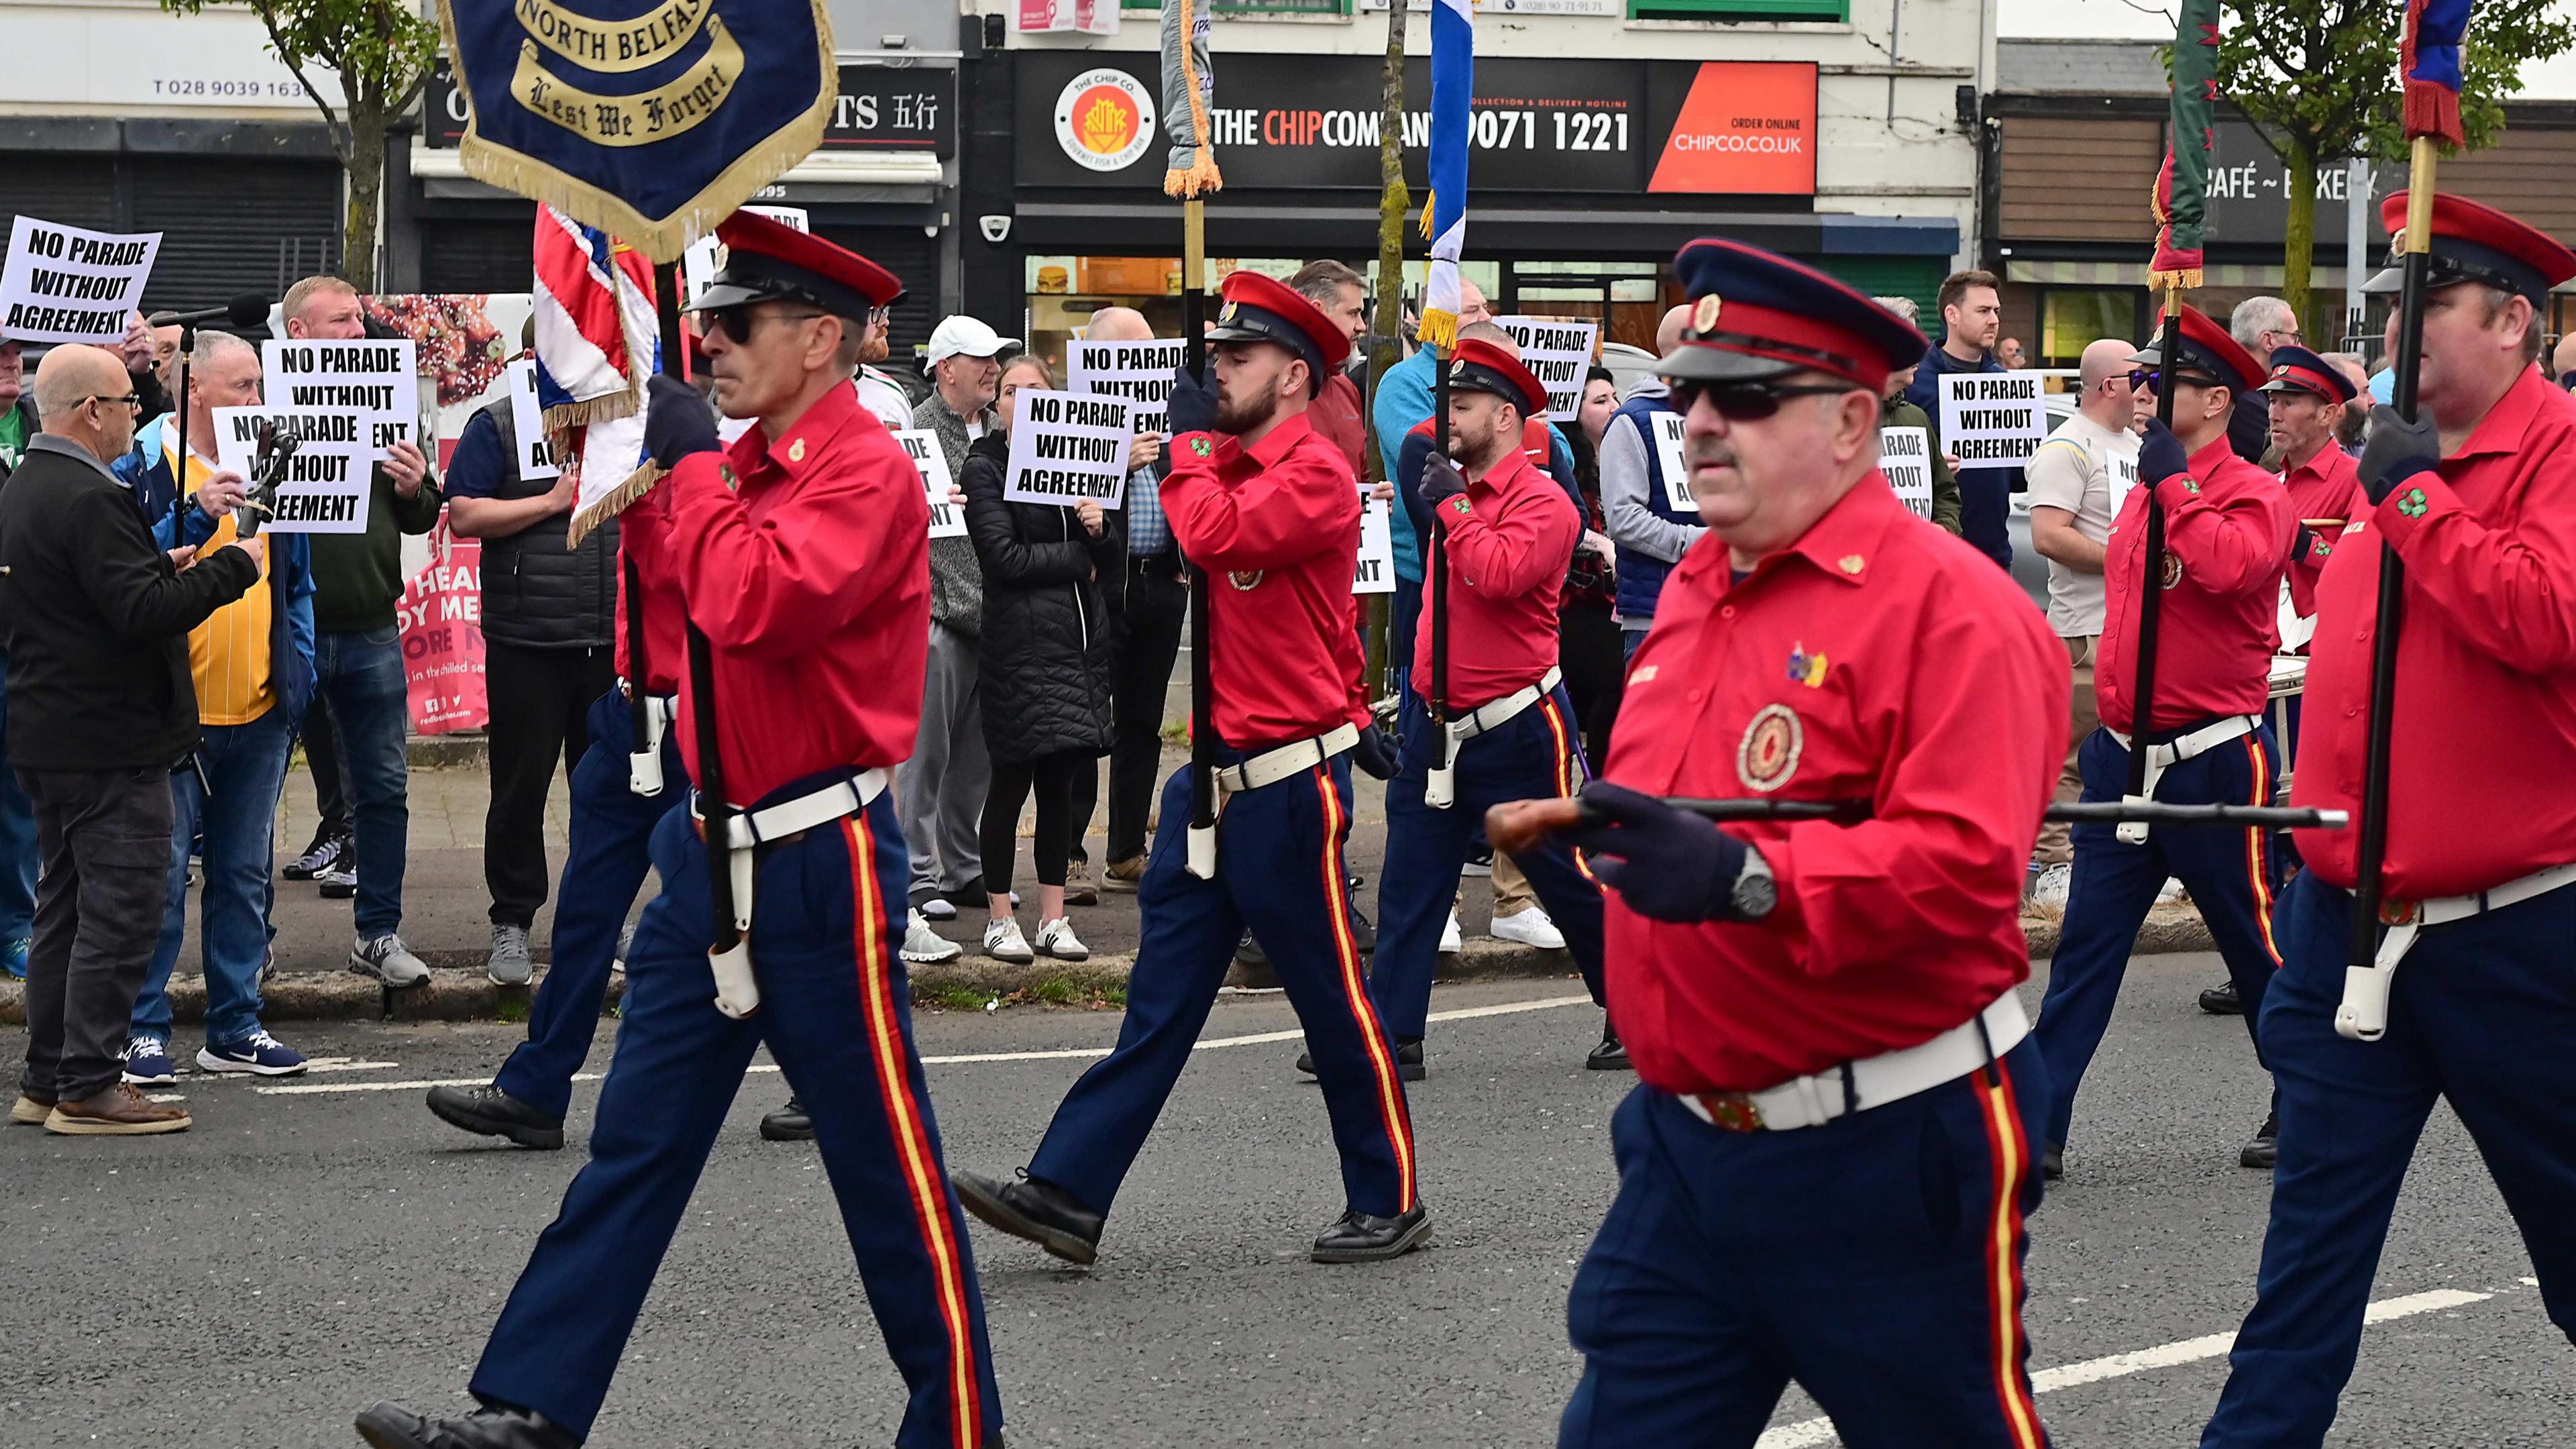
(2299, 240)
(366, 168)
(1393, 200)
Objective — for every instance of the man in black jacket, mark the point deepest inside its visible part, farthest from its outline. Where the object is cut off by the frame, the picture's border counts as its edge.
(549, 621)
(97, 617)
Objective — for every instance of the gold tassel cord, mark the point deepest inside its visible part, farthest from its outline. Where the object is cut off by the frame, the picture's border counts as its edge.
(616, 501)
(1200, 177)
(1438, 329)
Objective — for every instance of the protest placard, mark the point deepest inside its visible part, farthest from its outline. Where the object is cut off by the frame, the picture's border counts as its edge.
(378, 379)
(65, 284)
(947, 520)
(1066, 447)
(1668, 450)
(2124, 476)
(441, 618)
(1905, 456)
(705, 256)
(528, 424)
(1992, 419)
(1141, 372)
(1557, 351)
(1375, 572)
(326, 485)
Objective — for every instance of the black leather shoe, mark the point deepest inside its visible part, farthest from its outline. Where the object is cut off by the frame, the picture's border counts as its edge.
(1034, 1209)
(1610, 1056)
(1408, 1062)
(2264, 1152)
(2052, 1163)
(391, 1426)
(2220, 1000)
(791, 1123)
(491, 1112)
(1249, 952)
(1360, 1238)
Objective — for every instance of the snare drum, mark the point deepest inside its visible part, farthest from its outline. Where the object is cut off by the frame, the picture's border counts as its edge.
(2288, 683)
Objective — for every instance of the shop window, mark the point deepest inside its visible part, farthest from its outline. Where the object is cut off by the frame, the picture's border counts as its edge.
(2072, 317)
(1809, 10)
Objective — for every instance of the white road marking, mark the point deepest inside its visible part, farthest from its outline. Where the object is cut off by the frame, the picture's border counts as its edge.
(1808, 1433)
(1262, 1038)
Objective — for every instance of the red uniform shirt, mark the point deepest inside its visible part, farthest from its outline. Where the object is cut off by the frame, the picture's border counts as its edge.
(2482, 779)
(1509, 536)
(1277, 527)
(1876, 660)
(1335, 417)
(2228, 529)
(811, 576)
(643, 538)
(2326, 486)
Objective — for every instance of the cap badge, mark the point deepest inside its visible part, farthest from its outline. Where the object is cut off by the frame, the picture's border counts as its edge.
(796, 451)
(1851, 563)
(1704, 313)
(1226, 314)
(1769, 753)
(1805, 668)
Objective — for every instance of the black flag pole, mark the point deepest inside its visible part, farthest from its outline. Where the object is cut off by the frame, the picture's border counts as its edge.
(2363, 1016)
(2151, 587)
(1202, 836)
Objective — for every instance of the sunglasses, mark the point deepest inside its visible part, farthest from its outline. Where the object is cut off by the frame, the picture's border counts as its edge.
(1750, 402)
(2147, 379)
(738, 320)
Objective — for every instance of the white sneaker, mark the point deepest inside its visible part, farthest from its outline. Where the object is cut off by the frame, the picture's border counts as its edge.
(388, 960)
(2171, 893)
(1003, 942)
(2051, 886)
(1452, 939)
(922, 944)
(1530, 926)
(1056, 939)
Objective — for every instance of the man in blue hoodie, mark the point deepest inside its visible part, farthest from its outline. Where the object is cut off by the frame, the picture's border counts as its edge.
(1973, 315)
(253, 663)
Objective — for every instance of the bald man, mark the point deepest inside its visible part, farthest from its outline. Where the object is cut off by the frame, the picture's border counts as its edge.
(96, 618)
(2077, 480)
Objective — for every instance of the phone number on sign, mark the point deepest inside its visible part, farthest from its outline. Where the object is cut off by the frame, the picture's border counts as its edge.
(246, 90)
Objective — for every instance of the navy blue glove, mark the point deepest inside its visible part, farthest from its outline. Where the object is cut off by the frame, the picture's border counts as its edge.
(1192, 408)
(1668, 864)
(2161, 455)
(1375, 753)
(2301, 543)
(677, 422)
(2396, 450)
(1441, 481)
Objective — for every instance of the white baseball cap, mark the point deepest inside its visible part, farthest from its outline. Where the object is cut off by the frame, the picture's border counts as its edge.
(965, 336)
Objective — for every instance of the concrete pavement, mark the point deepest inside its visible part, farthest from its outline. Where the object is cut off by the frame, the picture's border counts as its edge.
(313, 1245)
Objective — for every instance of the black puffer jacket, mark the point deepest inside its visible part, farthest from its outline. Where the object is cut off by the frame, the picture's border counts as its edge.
(1046, 667)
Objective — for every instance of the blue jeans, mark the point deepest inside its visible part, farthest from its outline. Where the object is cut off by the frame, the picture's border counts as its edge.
(246, 764)
(17, 838)
(360, 679)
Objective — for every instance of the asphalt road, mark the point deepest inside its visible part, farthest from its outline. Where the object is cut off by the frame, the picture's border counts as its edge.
(303, 1251)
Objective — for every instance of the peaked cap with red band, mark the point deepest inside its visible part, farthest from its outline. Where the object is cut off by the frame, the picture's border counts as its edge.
(1481, 366)
(1265, 309)
(766, 260)
(2206, 348)
(1756, 315)
(2296, 369)
(2474, 243)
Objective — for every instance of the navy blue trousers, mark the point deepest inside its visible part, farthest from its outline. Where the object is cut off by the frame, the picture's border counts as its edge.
(835, 1011)
(1278, 870)
(2228, 872)
(1876, 1260)
(604, 866)
(1537, 754)
(2482, 1014)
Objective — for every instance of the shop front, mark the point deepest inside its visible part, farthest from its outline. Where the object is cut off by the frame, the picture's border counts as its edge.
(1588, 175)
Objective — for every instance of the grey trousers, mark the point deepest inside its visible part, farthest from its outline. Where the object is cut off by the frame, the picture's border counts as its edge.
(105, 839)
(940, 791)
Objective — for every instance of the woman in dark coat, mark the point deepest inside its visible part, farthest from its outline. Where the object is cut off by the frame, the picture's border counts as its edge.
(1046, 677)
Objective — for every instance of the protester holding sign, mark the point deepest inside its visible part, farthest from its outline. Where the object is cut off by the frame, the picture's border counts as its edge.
(1894, 412)
(1637, 486)
(358, 652)
(1972, 316)
(252, 664)
(1047, 671)
(65, 284)
(549, 632)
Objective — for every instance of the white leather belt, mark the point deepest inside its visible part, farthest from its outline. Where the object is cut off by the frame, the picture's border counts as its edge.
(2161, 758)
(737, 990)
(1440, 790)
(2363, 1014)
(644, 762)
(1274, 765)
(1888, 1077)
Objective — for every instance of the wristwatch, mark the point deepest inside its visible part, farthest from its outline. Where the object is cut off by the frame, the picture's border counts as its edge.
(1756, 889)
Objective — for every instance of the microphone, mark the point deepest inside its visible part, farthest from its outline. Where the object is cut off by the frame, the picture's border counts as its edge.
(247, 310)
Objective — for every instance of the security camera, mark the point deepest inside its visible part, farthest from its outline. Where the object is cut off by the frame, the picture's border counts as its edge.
(996, 228)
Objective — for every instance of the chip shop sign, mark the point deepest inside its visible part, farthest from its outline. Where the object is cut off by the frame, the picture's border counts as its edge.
(1706, 128)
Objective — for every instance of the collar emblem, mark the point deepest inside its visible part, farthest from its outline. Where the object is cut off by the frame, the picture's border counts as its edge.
(796, 451)
(1851, 563)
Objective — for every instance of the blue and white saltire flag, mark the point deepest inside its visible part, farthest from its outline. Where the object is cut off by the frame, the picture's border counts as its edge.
(1444, 212)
